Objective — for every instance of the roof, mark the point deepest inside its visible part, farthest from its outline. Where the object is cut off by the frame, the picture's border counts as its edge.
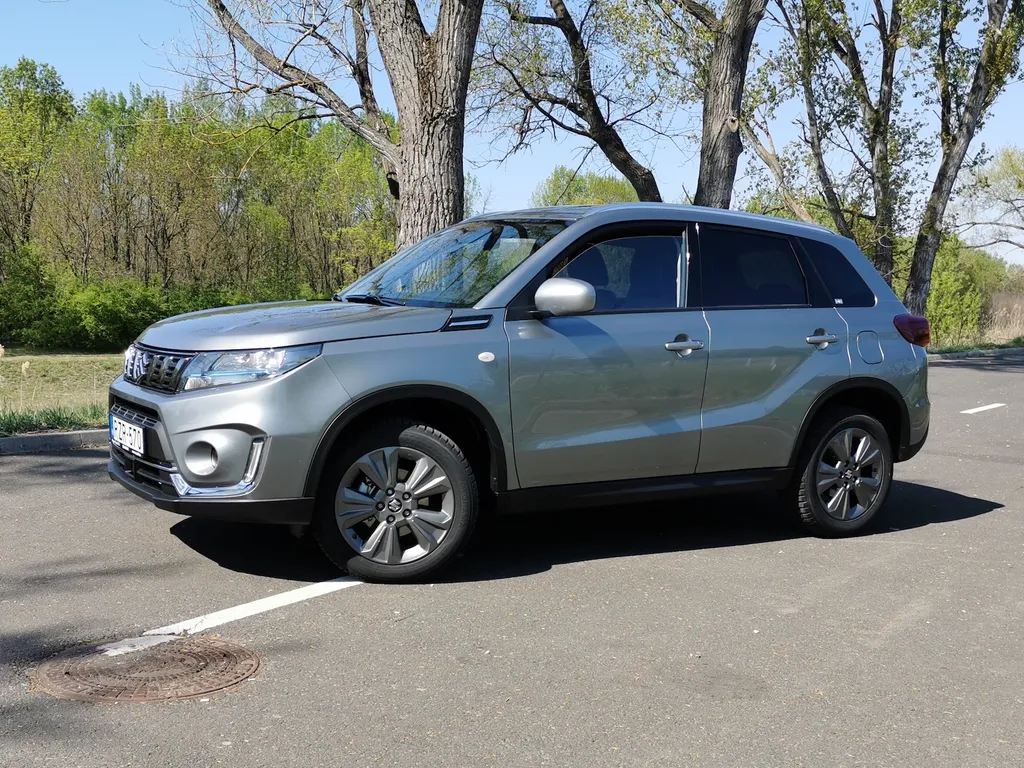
(639, 210)
(554, 212)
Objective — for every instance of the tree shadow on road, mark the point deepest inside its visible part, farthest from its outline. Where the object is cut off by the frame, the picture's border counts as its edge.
(82, 464)
(519, 545)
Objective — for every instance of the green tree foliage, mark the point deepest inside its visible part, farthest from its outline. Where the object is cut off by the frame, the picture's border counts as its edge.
(35, 107)
(956, 301)
(143, 207)
(566, 186)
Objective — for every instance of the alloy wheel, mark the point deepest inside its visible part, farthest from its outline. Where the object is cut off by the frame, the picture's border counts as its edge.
(395, 505)
(849, 474)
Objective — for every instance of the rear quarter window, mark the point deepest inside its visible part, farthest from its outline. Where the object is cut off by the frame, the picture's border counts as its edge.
(845, 285)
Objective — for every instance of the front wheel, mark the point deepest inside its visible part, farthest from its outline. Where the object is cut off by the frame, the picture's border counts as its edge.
(845, 472)
(397, 505)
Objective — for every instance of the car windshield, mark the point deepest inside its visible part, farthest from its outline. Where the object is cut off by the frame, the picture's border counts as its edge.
(457, 266)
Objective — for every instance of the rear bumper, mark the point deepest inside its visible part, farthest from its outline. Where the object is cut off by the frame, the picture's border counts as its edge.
(278, 511)
(909, 451)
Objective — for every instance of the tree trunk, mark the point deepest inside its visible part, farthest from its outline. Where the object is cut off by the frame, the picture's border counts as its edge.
(929, 235)
(431, 180)
(720, 145)
(429, 78)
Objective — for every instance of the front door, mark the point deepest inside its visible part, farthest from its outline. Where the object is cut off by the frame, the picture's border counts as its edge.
(771, 352)
(599, 397)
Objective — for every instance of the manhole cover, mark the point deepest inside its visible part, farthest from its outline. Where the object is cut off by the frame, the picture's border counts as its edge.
(180, 669)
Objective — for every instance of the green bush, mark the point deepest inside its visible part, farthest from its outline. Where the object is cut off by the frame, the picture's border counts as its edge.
(110, 315)
(43, 309)
(956, 301)
(26, 296)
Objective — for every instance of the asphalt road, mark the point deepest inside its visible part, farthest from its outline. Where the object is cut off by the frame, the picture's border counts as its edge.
(703, 634)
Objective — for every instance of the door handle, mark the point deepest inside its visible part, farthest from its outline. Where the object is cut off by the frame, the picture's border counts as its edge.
(684, 347)
(821, 339)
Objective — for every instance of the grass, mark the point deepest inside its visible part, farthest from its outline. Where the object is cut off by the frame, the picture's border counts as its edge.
(52, 419)
(44, 392)
(972, 345)
(1002, 328)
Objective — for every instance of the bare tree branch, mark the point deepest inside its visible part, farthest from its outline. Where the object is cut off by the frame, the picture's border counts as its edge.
(289, 72)
(771, 160)
(586, 101)
(701, 13)
(802, 44)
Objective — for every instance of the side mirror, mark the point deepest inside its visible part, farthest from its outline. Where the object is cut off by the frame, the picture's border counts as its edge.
(560, 296)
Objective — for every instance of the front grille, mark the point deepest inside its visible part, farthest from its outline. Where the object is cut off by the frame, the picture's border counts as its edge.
(129, 414)
(154, 473)
(154, 369)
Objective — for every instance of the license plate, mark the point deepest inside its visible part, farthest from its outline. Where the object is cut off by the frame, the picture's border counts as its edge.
(128, 437)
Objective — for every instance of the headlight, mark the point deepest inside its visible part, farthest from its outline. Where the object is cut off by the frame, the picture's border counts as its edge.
(215, 369)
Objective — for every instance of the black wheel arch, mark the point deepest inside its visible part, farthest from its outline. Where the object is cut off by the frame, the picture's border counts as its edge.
(876, 396)
(497, 461)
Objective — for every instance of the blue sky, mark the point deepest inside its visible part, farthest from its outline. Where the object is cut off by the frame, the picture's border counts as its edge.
(112, 43)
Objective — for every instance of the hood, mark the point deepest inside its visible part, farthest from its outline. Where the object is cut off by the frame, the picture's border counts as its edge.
(287, 324)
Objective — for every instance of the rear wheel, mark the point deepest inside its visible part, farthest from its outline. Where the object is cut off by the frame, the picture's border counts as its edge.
(398, 504)
(845, 472)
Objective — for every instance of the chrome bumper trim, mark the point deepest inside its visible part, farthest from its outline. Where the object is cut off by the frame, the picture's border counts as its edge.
(241, 488)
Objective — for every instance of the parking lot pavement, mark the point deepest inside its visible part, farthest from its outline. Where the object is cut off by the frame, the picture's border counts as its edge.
(689, 634)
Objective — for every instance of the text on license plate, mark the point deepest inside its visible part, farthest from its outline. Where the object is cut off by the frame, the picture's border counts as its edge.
(126, 436)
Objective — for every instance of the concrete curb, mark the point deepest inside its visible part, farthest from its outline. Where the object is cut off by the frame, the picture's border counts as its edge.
(1011, 352)
(53, 442)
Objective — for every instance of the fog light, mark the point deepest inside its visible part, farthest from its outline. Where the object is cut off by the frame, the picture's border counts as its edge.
(201, 458)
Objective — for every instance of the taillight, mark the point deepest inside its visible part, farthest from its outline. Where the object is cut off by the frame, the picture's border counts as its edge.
(914, 329)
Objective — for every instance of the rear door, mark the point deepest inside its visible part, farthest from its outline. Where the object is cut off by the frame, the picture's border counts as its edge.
(599, 397)
(775, 345)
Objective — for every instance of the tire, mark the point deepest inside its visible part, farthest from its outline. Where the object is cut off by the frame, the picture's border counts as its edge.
(422, 526)
(824, 513)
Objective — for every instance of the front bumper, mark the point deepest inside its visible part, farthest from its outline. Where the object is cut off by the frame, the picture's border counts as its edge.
(249, 440)
(235, 453)
(282, 511)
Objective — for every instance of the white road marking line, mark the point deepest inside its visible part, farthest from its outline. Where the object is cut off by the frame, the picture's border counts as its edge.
(215, 619)
(969, 411)
(133, 644)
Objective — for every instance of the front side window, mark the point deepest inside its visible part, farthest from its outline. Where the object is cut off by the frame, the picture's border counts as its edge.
(458, 266)
(749, 269)
(631, 273)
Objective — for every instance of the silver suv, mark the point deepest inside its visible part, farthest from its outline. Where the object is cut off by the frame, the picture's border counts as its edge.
(555, 358)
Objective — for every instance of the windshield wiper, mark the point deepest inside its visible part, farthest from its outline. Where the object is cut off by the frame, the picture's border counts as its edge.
(370, 298)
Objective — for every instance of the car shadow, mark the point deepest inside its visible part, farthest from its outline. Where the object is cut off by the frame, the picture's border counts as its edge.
(261, 550)
(520, 545)
(700, 524)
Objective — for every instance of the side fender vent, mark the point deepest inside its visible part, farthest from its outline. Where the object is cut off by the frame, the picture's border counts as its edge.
(467, 323)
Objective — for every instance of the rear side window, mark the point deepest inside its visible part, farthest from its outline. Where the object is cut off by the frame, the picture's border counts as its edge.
(749, 269)
(845, 286)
